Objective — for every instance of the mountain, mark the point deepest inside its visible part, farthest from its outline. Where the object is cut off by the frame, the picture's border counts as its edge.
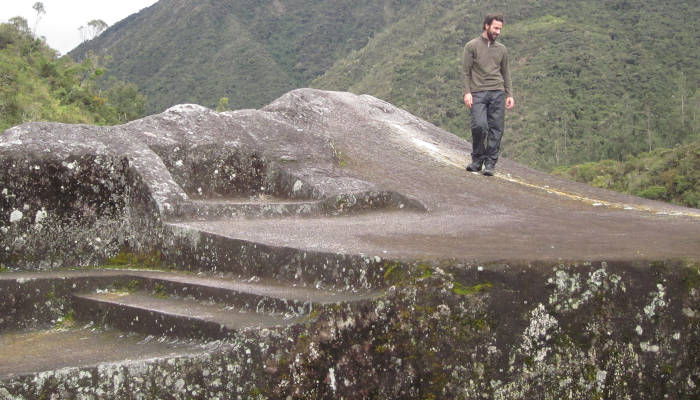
(250, 51)
(594, 79)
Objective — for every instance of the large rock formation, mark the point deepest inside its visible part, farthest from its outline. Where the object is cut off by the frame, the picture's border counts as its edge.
(74, 195)
(518, 286)
(94, 189)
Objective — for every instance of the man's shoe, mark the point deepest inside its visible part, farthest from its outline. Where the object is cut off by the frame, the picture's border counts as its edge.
(489, 171)
(474, 167)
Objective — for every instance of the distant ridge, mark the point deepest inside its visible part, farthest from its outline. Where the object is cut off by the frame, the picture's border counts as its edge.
(179, 51)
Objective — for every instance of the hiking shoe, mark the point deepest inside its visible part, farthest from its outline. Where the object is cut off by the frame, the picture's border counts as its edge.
(489, 171)
(474, 167)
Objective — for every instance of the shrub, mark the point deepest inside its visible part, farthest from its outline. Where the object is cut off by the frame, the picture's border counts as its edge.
(654, 193)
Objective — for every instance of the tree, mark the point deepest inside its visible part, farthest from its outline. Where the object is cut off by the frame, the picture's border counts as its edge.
(39, 8)
(92, 30)
(95, 27)
(20, 24)
(126, 100)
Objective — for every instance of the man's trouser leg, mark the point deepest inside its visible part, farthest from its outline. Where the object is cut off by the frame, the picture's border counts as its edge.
(480, 127)
(496, 113)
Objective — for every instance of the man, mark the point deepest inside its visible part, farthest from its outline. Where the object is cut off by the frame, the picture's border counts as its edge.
(487, 93)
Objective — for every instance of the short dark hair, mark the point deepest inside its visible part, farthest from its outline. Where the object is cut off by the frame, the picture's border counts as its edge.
(488, 20)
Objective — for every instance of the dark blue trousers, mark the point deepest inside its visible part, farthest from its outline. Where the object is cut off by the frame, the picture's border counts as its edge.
(488, 120)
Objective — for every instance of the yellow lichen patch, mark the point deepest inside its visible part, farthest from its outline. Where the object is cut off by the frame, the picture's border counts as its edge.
(449, 159)
(597, 202)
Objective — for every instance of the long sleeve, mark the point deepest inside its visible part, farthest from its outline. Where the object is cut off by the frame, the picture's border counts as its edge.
(467, 62)
(505, 72)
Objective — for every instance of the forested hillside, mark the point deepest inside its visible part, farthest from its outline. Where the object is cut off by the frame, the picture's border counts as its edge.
(594, 79)
(38, 86)
(250, 51)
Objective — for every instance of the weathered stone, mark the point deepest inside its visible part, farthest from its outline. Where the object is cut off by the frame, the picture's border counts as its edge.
(73, 195)
(518, 286)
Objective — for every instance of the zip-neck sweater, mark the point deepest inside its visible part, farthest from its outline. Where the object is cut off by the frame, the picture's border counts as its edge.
(485, 67)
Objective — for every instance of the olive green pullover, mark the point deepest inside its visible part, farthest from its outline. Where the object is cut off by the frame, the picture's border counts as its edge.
(485, 67)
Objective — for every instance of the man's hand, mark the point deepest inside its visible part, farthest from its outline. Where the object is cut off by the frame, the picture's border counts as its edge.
(468, 100)
(510, 103)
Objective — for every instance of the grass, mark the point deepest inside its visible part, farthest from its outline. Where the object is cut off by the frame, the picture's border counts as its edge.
(462, 290)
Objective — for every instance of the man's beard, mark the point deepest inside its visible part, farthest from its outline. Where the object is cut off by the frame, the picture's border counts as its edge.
(491, 36)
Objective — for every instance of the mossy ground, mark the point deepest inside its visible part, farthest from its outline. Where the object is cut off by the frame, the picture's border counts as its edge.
(146, 260)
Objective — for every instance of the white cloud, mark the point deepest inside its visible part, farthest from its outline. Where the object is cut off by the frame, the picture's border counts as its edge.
(59, 25)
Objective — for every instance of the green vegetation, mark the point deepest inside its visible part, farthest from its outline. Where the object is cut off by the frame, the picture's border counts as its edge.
(671, 175)
(426, 271)
(143, 260)
(127, 285)
(471, 290)
(223, 104)
(66, 321)
(339, 156)
(691, 275)
(397, 273)
(160, 291)
(36, 85)
(406, 275)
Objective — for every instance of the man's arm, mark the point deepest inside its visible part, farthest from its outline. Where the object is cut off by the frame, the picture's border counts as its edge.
(467, 61)
(507, 83)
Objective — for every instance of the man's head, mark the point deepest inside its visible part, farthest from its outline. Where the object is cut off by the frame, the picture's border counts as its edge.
(492, 26)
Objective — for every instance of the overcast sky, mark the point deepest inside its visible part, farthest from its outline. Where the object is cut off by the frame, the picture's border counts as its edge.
(59, 25)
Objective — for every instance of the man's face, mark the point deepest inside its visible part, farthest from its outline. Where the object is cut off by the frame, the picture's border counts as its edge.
(494, 29)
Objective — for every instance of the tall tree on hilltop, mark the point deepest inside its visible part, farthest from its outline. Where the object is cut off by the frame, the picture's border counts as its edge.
(39, 8)
(93, 29)
(20, 24)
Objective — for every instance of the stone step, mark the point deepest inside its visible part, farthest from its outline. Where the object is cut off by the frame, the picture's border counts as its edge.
(124, 314)
(146, 313)
(27, 352)
(202, 307)
(260, 296)
(35, 299)
(211, 209)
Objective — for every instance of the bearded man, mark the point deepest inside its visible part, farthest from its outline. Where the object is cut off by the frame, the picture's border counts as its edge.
(487, 93)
